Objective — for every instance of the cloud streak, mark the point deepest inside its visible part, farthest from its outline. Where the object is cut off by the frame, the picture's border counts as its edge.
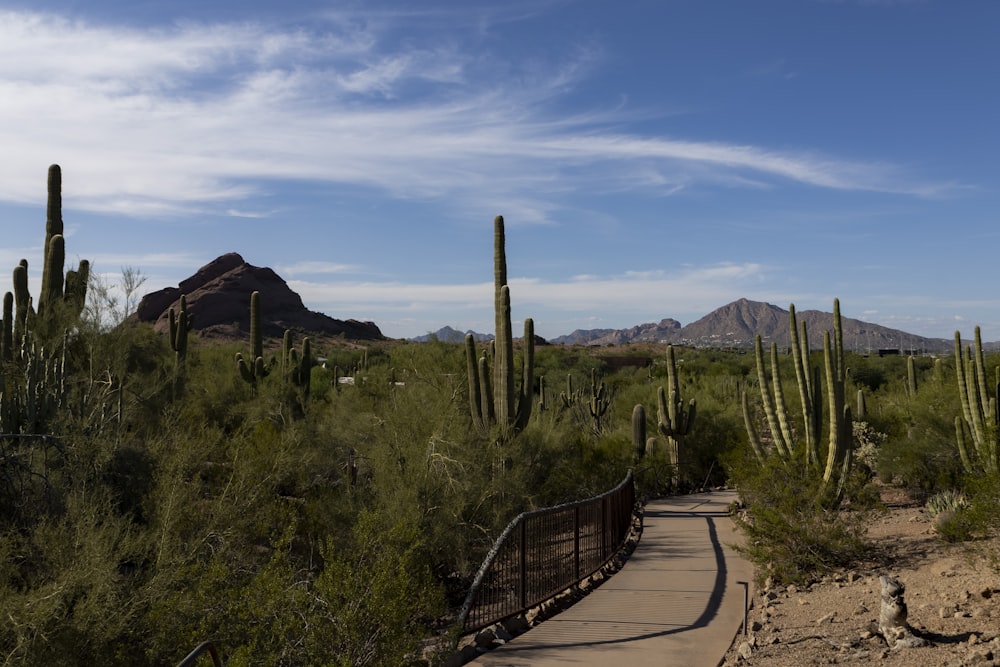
(204, 118)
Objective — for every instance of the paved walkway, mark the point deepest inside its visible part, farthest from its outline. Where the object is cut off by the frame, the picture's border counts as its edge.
(677, 600)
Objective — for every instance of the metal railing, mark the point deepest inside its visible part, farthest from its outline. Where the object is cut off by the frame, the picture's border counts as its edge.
(543, 552)
(202, 648)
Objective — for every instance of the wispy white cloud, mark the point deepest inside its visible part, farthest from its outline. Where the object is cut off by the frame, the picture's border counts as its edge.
(617, 298)
(196, 118)
(312, 268)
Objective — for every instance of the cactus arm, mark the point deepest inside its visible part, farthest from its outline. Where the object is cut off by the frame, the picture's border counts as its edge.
(768, 401)
(475, 389)
(781, 407)
(7, 334)
(256, 336)
(800, 362)
(22, 299)
(840, 430)
(525, 397)
(503, 366)
(752, 435)
(639, 431)
(963, 450)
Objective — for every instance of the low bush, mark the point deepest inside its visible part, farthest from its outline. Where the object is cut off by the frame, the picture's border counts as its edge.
(793, 532)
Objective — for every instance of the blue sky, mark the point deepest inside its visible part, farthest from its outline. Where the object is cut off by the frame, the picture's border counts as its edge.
(652, 159)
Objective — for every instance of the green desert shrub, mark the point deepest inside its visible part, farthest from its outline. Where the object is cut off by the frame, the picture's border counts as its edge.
(793, 535)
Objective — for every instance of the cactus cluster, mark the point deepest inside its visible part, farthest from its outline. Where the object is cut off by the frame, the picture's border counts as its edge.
(33, 341)
(495, 401)
(980, 410)
(59, 293)
(783, 436)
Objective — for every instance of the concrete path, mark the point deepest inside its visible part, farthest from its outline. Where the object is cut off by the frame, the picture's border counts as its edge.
(675, 602)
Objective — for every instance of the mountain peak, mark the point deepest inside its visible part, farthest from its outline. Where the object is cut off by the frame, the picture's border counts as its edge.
(218, 298)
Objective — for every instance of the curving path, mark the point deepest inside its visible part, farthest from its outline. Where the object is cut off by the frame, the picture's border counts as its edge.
(675, 602)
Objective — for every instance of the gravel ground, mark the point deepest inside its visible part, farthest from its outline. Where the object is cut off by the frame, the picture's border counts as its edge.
(951, 592)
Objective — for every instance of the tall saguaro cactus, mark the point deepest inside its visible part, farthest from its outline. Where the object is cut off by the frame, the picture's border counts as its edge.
(674, 420)
(253, 370)
(494, 398)
(54, 290)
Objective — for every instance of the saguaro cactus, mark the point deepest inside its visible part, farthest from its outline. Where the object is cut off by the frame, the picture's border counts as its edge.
(180, 325)
(501, 403)
(673, 419)
(54, 291)
(571, 396)
(911, 376)
(296, 367)
(639, 440)
(253, 370)
(600, 400)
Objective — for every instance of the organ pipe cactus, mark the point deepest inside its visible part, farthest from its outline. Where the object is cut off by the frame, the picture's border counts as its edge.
(494, 398)
(839, 441)
(979, 409)
(839, 446)
(253, 370)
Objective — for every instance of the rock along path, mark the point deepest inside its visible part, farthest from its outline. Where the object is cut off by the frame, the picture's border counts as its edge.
(677, 600)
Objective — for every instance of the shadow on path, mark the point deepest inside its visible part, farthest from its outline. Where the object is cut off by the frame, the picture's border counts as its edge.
(709, 613)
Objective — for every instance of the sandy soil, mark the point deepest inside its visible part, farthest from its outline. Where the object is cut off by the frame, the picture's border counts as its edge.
(952, 595)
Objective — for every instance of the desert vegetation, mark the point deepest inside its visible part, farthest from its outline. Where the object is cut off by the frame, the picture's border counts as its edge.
(321, 501)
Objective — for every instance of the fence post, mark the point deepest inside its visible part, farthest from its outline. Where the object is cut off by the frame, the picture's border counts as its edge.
(522, 574)
(576, 542)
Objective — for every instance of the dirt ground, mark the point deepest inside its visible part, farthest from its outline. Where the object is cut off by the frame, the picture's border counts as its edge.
(951, 592)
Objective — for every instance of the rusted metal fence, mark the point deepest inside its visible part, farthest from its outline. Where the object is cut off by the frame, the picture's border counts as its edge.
(543, 552)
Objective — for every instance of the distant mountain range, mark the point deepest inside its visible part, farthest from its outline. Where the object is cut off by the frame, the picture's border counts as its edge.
(736, 324)
(449, 335)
